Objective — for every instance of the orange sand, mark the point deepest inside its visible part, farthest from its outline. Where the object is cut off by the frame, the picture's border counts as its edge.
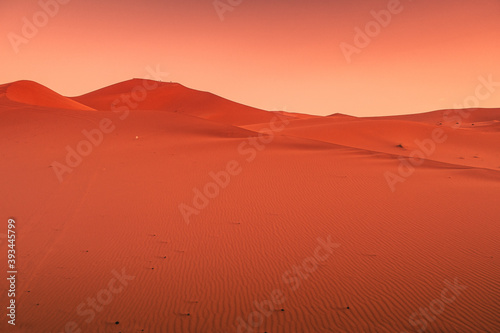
(319, 177)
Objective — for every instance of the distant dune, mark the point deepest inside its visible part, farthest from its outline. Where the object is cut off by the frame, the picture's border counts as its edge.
(173, 97)
(32, 93)
(294, 222)
(450, 117)
(473, 144)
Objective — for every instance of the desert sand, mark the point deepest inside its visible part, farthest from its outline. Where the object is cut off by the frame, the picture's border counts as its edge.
(314, 224)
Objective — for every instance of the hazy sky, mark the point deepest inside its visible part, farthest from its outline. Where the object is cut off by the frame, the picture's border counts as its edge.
(270, 54)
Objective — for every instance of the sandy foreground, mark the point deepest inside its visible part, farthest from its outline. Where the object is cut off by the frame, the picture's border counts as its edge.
(174, 210)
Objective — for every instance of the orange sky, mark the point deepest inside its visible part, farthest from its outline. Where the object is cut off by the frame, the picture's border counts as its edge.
(268, 54)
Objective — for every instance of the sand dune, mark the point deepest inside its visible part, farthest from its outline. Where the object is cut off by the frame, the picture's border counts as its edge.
(319, 178)
(296, 115)
(465, 145)
(32, 93)
(450, 117)
(141, 94)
